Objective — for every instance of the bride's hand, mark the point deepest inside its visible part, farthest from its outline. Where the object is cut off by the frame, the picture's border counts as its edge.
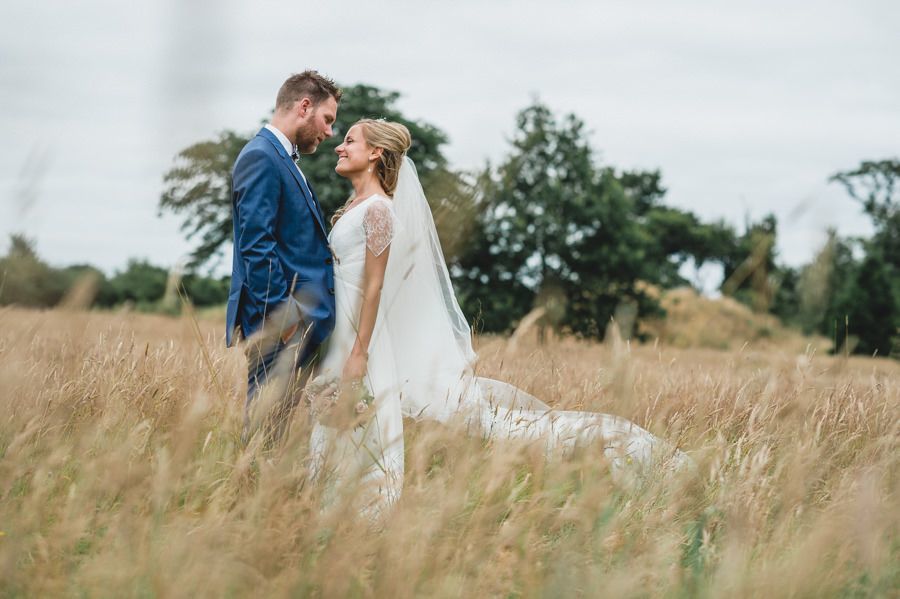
(355, 367)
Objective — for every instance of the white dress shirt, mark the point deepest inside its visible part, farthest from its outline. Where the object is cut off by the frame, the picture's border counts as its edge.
(288, 146)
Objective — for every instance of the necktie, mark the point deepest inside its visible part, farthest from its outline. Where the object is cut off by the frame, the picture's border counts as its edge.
(294, 155)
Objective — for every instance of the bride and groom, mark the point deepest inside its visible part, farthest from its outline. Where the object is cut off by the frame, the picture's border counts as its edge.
(370, 301)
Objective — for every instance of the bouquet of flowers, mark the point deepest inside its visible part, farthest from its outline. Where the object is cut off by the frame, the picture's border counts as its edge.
(345, 405)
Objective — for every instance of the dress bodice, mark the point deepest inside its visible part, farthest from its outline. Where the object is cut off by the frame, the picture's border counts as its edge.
(371, 225)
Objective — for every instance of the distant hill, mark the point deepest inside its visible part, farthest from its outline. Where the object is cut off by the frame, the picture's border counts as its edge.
(723, 323)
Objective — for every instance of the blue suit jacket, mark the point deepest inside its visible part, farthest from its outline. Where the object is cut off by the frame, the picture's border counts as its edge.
(281, 251)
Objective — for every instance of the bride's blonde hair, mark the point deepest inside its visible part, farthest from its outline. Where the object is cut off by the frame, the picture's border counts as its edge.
(394, 140)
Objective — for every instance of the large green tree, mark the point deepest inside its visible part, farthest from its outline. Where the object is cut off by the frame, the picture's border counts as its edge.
(865, 293)
(556, 230)
(672, 236)
(198, 186)
(874, 316)
(876, 186)
(553, 231)
(198, 189)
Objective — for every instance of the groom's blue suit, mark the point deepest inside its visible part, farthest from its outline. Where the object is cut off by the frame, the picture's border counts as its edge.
(282, 261)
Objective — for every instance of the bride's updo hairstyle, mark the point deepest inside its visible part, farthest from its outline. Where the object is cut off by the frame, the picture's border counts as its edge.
(394, 140)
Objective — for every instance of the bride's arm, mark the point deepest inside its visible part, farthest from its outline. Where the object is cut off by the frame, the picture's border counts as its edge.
(378, 226)
(373, 280)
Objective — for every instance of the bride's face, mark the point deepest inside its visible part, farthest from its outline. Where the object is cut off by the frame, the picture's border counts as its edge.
(354, 154)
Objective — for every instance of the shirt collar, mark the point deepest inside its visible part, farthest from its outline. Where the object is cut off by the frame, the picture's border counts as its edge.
(288, 146)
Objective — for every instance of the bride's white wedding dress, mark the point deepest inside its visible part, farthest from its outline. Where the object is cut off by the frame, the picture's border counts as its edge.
(421, 358)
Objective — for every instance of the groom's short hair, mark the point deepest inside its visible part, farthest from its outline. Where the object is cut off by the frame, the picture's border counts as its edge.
(308, 84)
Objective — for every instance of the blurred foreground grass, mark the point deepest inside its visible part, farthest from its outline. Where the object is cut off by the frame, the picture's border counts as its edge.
(121, 475)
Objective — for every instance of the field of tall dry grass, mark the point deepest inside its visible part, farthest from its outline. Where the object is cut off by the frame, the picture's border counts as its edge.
(121, 474)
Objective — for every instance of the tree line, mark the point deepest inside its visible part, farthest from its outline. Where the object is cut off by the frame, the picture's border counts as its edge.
(552, 227)
(26, 279)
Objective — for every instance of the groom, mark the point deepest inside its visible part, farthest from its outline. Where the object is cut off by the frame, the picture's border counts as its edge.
(281, 304)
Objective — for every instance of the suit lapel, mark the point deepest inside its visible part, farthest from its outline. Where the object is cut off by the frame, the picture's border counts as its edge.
(315, 199)
(305, 189)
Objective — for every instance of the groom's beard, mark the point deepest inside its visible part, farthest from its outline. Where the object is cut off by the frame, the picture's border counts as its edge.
(307, 140)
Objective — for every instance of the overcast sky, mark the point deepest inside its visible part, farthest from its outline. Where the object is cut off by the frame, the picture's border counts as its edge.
(746, 108)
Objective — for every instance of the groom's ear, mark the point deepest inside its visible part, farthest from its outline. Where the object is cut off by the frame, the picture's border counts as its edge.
(303, 106)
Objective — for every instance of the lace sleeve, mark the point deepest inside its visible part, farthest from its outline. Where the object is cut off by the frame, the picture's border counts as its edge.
(381, 225)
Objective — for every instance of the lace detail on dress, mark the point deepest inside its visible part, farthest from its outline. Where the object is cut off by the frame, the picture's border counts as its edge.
(381, 225)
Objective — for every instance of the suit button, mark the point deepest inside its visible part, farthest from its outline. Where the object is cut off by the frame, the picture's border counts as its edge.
(331, 290)
(328, 260)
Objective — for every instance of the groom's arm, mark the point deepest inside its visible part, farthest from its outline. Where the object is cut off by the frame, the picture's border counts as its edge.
(257, 185)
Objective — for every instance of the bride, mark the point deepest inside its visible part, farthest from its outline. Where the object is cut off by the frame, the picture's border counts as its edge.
(401, 334)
